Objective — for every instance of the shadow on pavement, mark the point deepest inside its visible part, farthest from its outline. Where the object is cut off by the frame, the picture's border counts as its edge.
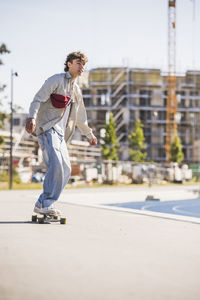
(16, 222)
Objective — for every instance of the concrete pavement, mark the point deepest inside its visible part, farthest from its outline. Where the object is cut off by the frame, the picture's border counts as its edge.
(100, 253)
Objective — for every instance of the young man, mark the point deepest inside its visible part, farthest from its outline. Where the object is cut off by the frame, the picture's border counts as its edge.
(54, 112)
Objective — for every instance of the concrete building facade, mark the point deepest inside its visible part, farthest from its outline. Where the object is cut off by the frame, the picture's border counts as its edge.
(132, 94)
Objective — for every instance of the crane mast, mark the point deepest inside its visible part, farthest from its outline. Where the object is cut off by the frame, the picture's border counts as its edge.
(171, 107)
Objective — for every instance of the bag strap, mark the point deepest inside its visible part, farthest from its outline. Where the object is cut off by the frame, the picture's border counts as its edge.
(69, 88)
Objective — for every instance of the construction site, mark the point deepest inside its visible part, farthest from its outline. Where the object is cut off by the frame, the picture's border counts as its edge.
(167, 103)
(132, 94)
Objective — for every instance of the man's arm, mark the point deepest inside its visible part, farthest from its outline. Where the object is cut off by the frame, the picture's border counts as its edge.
(93, 141)
(30, 125)
(42, 96)
(82, 123)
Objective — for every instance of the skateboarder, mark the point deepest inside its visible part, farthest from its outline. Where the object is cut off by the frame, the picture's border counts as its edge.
(53, 114)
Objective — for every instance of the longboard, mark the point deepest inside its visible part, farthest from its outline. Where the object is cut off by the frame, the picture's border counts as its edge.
(47, 219)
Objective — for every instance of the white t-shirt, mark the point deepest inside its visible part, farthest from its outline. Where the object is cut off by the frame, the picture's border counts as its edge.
(61, 125)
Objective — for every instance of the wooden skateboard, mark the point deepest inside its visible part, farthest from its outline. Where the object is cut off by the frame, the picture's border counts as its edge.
(47, 219)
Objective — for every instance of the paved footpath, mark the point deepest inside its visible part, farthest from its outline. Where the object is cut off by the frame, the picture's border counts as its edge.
(101, 254)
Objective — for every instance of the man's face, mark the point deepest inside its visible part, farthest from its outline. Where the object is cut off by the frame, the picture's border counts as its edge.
(76, 68)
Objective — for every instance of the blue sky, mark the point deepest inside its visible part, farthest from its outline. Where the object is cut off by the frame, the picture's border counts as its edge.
(41, 33)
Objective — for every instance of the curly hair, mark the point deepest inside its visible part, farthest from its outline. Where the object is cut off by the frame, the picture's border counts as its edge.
(74, 55)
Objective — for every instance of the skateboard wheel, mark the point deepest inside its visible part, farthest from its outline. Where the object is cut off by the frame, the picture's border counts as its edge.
(55, 217)
(41, 220)
(63, 221)
(34, 218)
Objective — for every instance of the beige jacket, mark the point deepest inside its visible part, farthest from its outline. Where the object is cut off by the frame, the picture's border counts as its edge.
(47, 115)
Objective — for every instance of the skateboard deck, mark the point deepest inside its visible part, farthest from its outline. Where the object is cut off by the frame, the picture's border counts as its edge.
(47, 219)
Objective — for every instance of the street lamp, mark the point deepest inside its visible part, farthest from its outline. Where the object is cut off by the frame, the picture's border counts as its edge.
(11, 130)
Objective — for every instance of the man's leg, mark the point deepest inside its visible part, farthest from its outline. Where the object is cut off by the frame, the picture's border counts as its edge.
(56, 158)
(65, 163)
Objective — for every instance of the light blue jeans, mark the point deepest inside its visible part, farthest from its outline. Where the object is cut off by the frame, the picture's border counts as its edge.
(56, 159)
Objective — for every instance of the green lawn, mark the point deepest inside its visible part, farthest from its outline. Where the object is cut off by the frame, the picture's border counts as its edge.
(38, 186)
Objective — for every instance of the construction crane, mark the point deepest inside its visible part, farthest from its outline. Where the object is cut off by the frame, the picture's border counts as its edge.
(171, 107)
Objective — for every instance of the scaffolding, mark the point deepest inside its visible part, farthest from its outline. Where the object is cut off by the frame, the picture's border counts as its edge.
(132, 94)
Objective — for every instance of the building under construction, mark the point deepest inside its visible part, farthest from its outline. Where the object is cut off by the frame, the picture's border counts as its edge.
(132, 94)
(27, 156)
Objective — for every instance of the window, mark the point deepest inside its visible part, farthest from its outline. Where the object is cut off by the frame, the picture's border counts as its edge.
(86, 92)
(147, 134)
(145, 98)
(132, 115)
(101, 116)
(180, 95)
(161, 115)
(145, 115)
(194, 99)
(161, 153)
(16, 122)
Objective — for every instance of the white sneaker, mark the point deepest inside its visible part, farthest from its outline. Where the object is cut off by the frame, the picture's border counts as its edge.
(37, 210)
(50, 211)
(37, 207)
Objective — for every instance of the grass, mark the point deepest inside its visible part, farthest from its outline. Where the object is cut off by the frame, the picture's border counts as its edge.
(39, 186)
(21, 186)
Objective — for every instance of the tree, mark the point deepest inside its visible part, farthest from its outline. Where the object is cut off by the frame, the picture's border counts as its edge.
(176, 153)
(3, 49)
(3, 116)
(109, 147)
(137, 143)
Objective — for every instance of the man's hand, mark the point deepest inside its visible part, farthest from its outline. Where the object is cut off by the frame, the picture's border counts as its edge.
(93, 141)
(30, 125)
